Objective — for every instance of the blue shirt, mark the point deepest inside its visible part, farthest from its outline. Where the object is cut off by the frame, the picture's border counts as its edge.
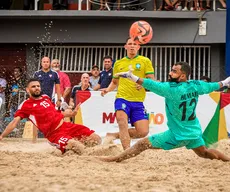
(48, 81)
(105, 78)
(180, 104)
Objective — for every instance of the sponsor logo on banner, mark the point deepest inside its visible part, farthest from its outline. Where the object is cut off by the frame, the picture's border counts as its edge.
(154, 118)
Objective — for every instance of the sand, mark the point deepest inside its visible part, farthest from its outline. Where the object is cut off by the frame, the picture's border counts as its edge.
(40, 167)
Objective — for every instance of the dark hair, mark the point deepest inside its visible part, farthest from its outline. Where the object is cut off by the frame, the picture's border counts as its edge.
(205, 78)
(185, 67)
(31, 80)
(19, 68)
(107, 57)
(128, 39)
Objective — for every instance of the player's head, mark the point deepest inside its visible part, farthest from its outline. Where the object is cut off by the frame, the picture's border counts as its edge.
(45, 63)
(55, 64)
(33, 88)
(85, 79)
(107, 62)
(180, 72)
(131, 47)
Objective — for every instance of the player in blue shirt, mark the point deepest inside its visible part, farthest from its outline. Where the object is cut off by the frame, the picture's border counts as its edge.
(181, 97)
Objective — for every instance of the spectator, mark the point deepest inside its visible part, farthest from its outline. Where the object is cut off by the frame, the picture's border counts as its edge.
(65, 85)
(3, 84)
(83, 87)
(205, 78)
(106, 75)
(223, 4)
(17, 84)
(95, 76)
(49, 80)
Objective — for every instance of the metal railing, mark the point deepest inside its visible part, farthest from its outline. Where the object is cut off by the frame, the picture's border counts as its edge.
(22, 96)
(87, 5)
(79, 59)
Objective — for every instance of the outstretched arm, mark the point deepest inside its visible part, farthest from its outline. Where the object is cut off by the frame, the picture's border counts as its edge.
(10, 127)
(159, 88)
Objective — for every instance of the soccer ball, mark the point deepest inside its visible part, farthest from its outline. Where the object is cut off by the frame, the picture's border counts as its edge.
(141, 32)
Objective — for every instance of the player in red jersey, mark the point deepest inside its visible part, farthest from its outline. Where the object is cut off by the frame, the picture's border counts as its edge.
(42, 113)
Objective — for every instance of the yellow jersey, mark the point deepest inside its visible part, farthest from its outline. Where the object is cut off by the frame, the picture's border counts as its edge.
(126, 88)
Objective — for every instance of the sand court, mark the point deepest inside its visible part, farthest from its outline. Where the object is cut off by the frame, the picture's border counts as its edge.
(26, 166)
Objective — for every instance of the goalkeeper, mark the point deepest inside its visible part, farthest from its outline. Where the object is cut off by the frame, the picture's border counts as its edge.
(181, 97)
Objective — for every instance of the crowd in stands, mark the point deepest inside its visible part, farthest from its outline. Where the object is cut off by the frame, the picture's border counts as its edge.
(103, 5)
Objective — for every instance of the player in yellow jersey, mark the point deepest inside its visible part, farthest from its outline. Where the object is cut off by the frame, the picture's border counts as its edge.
(130, 96)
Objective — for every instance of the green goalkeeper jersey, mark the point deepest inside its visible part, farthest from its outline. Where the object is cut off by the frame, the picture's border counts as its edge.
(180, 104)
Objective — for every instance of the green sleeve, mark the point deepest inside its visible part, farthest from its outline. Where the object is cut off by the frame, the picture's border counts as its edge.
(160, 88)
(205, 88)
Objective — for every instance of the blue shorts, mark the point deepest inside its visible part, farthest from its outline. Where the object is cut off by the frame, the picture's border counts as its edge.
(167, 141)
(134, 110)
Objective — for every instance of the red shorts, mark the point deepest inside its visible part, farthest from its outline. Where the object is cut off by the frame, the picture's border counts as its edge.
(67, 131)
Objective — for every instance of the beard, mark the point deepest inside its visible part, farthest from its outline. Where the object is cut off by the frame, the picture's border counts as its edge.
(56, 69)
(36, 95)
(176, 80)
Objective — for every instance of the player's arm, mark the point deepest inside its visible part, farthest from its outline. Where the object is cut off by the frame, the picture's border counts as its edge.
(10, 127)
(111, 86)
(206, 87)
(71, 113)
(150, 76)
(162, 89)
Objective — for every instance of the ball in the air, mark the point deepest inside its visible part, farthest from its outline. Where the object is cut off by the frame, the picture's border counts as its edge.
(141, 32)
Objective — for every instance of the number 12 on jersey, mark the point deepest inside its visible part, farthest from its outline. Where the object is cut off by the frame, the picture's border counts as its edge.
(184, 105)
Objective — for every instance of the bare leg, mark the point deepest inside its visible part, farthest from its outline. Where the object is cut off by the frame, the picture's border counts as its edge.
(35, 134)
(155, 5)
(136, 149)
(223, 3)
(118, 4)
(101, 5)
(174, 2)
(210, 153)
(208, 4)
(122, 120)
(141, 130)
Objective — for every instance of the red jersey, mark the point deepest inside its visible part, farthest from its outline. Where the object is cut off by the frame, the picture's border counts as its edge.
(41, 112)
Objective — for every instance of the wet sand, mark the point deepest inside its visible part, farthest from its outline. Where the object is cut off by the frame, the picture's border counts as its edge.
(40, 167)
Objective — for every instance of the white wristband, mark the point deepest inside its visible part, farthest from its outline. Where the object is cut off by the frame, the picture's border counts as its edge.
(134, 78)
